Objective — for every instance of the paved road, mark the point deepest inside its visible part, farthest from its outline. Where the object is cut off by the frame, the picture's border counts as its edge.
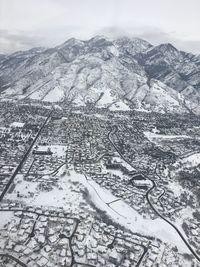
(145, 249)
(113, 131)
(23, 159)
(6, 255)
(166, 220)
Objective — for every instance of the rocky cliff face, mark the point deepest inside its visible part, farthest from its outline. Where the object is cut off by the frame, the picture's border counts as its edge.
(122, 74)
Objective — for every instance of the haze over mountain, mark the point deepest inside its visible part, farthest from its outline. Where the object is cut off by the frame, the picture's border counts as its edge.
(122, 74)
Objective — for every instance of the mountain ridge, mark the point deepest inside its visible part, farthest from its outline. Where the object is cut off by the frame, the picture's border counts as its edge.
(117, 74)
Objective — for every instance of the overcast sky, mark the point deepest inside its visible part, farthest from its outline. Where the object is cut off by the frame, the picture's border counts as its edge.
(28, 23)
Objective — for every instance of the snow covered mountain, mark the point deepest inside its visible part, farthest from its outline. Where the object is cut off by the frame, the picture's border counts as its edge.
(124, 74)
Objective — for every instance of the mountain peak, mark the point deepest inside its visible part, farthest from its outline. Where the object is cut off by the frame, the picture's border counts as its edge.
(167, 47)
(99, 37)
(132, 45)
(138, 40)
(103, 71)
(71, 42)
(99, 40)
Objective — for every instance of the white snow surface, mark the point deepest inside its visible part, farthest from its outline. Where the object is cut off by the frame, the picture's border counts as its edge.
(5, 218)
(80, 71)
(191, 160)
(57, 150)
(17, 124)
(152, 136)
(121, 213)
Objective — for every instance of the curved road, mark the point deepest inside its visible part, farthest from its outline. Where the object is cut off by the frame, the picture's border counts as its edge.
(113, 131)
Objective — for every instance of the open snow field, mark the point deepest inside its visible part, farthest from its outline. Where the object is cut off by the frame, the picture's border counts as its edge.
(67, 195)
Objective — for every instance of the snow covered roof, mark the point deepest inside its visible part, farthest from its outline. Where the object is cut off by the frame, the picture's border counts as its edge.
(17, 124)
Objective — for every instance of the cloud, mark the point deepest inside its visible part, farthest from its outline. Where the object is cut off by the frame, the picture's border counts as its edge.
(11, 41)
(157, 36)
(51, 22)
(154, 35)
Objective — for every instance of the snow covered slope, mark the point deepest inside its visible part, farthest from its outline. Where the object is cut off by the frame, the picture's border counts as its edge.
(122, 74)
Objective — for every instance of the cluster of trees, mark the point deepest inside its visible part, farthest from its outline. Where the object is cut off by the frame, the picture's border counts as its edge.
(191, 179)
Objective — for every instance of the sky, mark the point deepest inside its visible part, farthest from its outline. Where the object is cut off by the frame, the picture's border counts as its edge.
(29, 23)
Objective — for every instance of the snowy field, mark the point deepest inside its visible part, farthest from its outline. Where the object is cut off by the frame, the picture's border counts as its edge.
(190, 161)
(68, 196)
(57, 150)
(121, 213)
(152, 137)
(5, 218)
